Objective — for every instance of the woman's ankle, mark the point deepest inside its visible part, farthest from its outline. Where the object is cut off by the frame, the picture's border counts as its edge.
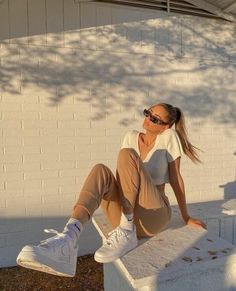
(127, 221)
(81, 214)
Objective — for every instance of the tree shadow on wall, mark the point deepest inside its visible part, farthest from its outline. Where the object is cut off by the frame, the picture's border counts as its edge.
(118, 57)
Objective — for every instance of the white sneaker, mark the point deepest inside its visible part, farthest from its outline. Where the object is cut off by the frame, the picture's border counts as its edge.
(56, 255)
(120, 241)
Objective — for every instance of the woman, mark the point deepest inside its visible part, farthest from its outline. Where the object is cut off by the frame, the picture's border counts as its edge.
(134, 202)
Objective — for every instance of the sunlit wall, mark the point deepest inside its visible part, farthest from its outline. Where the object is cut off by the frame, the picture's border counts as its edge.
(75, 77)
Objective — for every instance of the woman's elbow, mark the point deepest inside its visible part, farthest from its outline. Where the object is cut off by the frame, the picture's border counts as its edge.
(175, 179)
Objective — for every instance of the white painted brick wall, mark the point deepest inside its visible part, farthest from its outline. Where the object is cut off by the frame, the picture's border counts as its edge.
(75, 77)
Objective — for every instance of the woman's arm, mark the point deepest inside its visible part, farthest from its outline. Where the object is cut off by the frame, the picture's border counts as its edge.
(177, 184)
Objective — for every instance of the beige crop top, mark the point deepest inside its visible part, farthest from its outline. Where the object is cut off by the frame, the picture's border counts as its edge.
(166, 149)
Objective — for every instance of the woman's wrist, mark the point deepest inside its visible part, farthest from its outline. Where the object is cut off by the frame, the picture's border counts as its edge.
(186, 218)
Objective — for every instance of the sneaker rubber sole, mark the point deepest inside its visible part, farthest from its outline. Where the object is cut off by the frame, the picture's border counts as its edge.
(108, 259)
(38, 262)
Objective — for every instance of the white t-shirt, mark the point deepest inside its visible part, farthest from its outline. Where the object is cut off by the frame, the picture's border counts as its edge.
(166, 149)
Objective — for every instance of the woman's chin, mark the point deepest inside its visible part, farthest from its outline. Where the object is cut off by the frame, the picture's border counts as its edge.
(145, 125)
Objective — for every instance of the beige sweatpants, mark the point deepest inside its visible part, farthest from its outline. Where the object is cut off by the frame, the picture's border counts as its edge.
(131, 187)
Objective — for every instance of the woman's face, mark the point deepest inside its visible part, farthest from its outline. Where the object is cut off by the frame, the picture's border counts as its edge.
(159, 112)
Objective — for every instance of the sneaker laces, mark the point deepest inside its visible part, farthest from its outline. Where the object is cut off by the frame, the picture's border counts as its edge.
(115, 235)
(56, 240)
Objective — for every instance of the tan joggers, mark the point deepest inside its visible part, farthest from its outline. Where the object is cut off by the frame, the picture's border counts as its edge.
(131, 187)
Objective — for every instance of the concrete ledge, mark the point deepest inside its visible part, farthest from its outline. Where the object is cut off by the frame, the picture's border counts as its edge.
(219, 221)
(179, 258)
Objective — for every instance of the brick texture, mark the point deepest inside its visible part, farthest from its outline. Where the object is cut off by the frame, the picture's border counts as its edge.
(75, 77)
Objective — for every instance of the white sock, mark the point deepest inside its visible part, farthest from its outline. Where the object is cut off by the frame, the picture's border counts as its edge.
(73, 228)
(127, 221)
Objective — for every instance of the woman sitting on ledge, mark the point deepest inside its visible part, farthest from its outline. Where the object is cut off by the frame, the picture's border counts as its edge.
(134, 201)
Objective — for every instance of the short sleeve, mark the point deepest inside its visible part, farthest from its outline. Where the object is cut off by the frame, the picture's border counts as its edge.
(129, 140)
(125, 142)
(174, 147)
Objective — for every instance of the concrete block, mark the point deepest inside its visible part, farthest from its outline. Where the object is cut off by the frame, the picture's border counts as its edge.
(88, 36)
(20, 116)
(4, 16)
(69, 173)
(64, 124)
(57, 115)
(179, 258)
(18, 21)
(72, 189)
(12, 212)
(90, 240)
(23, 98)
(80, 140)
(11, 158)
(14, 167)
(29, 132)
(11, 176)
(50, 209)
(29, 124)
(22, 149)
(46, 174)
(2, 242)
(71, 24)
(227, 228)
(8, 256)
(104, 28)
(34, 211)
(40, 157)
(8, 124)
(77, 89)
(47, 149)
(33, 140)
(54, 28)
(61, 181)
(33, 199)
(31, 191)
(56, 133)
(58, 165)
(70, 156)
(3, 201)
(37, 22)
(218, 222)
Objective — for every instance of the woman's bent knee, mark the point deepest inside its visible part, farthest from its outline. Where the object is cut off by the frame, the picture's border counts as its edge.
(101, 170)
(99, 167)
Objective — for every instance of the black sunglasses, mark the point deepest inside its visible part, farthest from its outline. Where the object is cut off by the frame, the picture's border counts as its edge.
(153, 118)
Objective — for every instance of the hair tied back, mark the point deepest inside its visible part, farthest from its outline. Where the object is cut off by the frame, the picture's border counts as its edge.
(178, 113)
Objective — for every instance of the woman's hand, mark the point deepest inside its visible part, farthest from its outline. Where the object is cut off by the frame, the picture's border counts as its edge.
(195, 222)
